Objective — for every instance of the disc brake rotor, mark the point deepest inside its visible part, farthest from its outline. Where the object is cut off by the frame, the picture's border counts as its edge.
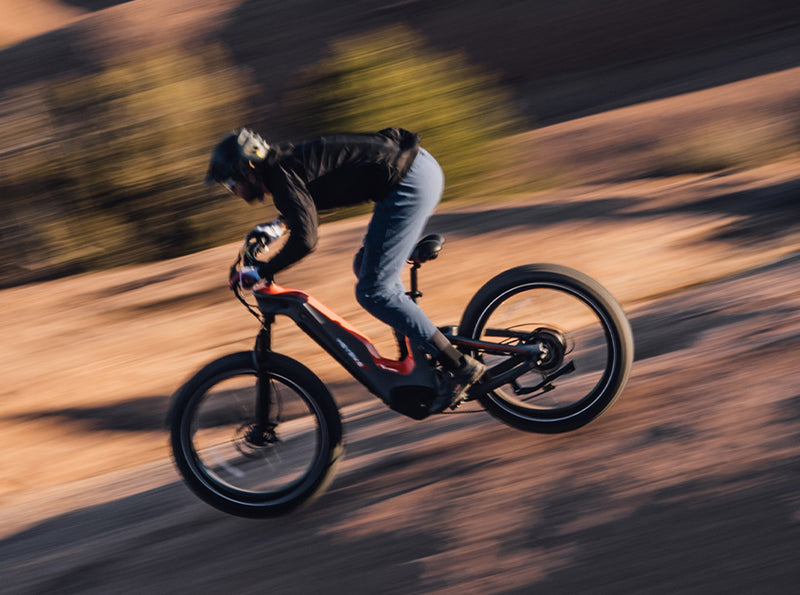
(254, 441)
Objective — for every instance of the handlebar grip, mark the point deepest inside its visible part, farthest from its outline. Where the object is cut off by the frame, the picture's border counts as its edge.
(255, 248)
(246, 278)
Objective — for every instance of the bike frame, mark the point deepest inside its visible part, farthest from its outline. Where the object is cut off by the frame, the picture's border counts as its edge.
(408, 384)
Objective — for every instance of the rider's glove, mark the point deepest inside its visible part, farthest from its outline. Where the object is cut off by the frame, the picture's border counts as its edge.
(266, 233)
(245, 277)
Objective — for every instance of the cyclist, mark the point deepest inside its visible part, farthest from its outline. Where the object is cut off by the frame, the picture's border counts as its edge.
(388, 167)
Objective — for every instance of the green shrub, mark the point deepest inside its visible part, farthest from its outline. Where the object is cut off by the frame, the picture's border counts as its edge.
(110, 168)
(392, 78)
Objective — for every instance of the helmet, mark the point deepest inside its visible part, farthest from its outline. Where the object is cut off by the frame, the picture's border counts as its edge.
(233, 154)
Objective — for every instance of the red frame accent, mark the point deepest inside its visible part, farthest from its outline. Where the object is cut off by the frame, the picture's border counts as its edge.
(403, 366)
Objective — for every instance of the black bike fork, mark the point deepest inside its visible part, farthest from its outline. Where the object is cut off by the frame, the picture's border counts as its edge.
(263, 424)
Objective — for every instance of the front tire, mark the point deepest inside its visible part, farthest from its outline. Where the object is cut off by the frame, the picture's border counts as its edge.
(583, 327)
(241, 465)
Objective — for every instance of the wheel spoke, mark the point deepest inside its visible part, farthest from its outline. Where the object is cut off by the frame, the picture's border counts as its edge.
(580, 331)
(244, 464)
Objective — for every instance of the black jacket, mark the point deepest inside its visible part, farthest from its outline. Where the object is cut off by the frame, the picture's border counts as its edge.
(330, 172)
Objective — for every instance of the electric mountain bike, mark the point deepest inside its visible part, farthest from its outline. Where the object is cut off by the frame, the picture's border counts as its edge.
(257, 434)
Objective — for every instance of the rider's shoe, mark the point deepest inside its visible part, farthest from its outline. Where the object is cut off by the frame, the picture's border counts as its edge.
(456, 383)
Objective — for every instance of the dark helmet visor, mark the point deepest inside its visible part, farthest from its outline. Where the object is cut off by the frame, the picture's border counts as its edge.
(225, 161)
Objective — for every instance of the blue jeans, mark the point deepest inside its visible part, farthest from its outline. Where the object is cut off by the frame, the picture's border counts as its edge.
(395, 228)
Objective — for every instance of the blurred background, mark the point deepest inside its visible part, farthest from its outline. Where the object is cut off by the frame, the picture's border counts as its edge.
(653, 145)
(108, 109)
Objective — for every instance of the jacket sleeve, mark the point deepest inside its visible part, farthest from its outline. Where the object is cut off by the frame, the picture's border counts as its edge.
(293, 201)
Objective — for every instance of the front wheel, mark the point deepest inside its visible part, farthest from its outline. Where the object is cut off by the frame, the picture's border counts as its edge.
(582, 332)
(255, 447)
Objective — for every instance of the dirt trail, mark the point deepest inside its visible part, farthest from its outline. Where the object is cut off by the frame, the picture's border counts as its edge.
(689, 483)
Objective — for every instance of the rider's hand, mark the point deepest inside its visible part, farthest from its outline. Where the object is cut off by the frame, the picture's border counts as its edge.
(244, 277)
(266, 233)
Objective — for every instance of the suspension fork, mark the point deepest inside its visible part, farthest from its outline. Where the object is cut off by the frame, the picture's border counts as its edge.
(261, 353)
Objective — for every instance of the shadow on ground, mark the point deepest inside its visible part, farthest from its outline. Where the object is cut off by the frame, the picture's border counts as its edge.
(722, 533)
(688, 484)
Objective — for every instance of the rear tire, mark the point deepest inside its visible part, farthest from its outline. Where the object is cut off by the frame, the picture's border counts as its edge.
(250, 473)
(560, 304)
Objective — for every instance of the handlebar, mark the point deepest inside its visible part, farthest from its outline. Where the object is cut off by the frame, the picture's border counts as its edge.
(251, 248)
(244, 272)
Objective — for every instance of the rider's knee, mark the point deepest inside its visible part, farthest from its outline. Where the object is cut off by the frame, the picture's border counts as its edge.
(372, 297)
(364, 296)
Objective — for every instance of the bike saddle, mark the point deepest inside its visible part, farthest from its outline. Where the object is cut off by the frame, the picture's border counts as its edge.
(427, 249)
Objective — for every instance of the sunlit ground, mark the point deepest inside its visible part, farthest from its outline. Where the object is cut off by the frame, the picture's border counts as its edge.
(685, 208)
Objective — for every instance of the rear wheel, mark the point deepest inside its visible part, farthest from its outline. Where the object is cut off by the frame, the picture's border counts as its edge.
(256, 447)
(585, 338)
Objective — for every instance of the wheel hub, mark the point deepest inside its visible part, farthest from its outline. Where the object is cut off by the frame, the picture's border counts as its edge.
(255, 441)
(553, 345)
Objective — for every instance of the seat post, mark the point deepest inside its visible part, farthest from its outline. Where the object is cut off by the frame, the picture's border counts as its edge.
(415, 293)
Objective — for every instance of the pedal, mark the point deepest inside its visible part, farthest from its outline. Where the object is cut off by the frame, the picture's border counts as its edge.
(456, 404)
